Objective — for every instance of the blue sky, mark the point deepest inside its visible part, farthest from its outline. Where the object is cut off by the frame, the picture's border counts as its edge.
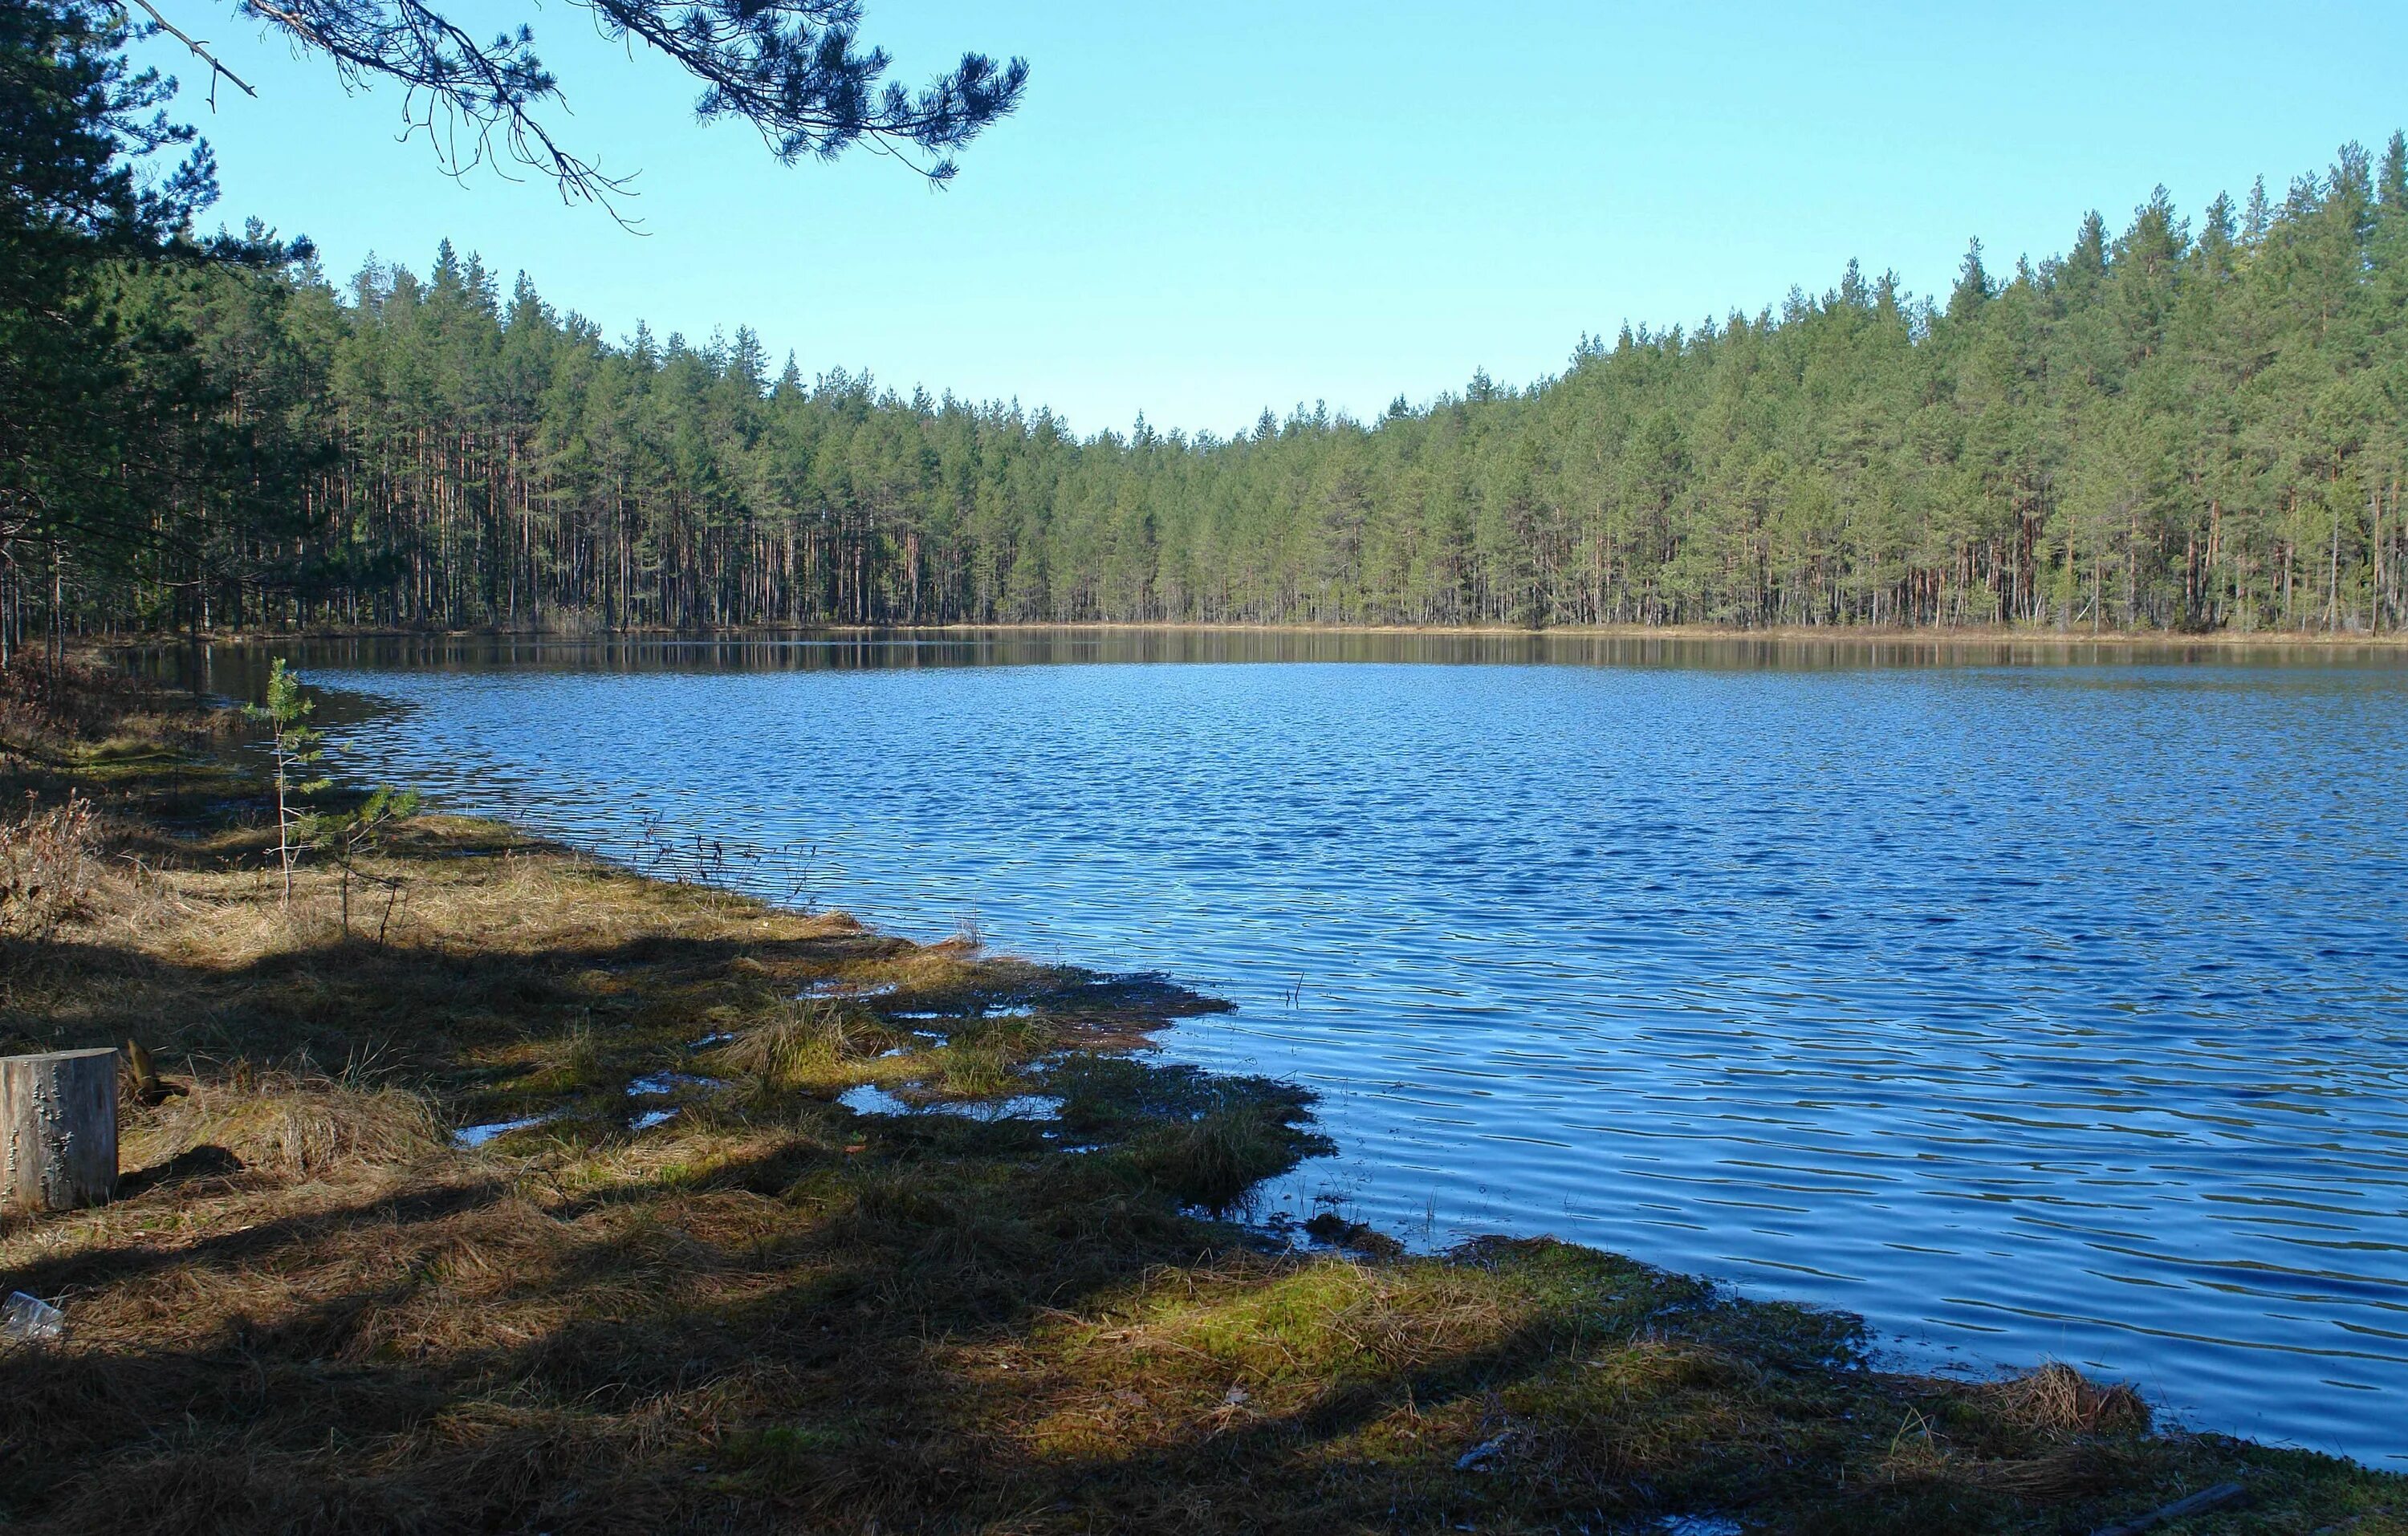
(1205, 210)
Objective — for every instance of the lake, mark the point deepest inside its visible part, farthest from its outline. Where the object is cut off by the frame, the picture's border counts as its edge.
(2031, 1000)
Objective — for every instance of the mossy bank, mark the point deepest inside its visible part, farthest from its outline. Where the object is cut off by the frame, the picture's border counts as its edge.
(767, 1222)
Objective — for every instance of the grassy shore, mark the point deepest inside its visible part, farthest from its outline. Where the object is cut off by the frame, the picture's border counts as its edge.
(693, 1290)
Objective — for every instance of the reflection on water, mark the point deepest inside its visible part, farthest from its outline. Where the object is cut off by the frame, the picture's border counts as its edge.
(2032, 999)
(891, 651)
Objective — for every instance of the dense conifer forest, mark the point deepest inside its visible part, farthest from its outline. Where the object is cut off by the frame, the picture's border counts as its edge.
(2194, 423)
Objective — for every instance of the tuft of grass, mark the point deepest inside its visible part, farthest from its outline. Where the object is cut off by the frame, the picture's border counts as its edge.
(49, 865)
(973, 1071)
(568, 1064)
(802, 1043)
(1212, 1161)
(2058, 1401)
(289, 1125)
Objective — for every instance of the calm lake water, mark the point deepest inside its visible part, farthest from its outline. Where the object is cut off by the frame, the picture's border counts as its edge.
(2031, 1001)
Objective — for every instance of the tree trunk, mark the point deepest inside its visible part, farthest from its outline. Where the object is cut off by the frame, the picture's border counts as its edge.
(58, 1114)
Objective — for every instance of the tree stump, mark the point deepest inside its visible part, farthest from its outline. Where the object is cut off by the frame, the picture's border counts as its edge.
(58, 1130)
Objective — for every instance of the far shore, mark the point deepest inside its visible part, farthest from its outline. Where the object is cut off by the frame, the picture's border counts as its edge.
(1932, 637)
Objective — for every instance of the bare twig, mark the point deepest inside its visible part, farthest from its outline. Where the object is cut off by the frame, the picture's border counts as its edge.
(200, 51)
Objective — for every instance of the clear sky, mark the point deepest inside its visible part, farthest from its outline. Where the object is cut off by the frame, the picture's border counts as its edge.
(1203, 210)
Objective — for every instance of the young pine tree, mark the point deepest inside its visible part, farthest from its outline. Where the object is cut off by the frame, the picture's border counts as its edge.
(295, 749)
(348, 837)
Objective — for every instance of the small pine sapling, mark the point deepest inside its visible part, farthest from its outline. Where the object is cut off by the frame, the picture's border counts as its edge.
(296, 749)
(349, 836)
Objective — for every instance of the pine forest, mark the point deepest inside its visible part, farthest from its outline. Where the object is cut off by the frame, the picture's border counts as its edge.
(2193, 425)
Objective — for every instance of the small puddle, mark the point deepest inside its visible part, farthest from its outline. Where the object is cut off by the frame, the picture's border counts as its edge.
(832, 988)
(651, 1085)
(665, 1082)
(477, 1136)
(1025, 1107)
(869, 1098)
(655, 1084)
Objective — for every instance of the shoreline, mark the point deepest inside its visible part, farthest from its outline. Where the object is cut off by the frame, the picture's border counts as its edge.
(775, 1309)
(1793, 635)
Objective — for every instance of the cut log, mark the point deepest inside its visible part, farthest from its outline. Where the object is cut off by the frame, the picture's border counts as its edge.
(2198, 1503)
(58, 1130)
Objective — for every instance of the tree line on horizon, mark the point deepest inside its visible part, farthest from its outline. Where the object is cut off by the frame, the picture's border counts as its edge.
(2183, 426)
